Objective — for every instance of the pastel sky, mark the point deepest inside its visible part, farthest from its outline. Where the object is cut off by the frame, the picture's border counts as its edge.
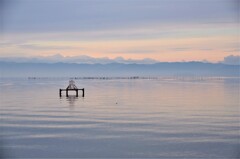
(164, 30)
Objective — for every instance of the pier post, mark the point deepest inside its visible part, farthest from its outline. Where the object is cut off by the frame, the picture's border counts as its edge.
(67, 93)
(60, 92)
(77, 93)
(83, 92)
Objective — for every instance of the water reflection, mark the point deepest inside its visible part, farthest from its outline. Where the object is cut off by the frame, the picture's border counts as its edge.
(71, 100)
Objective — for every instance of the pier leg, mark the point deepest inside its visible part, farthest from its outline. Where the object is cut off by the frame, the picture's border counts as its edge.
(67, 93)
(83, 92)
(76, 93)
(60, 92)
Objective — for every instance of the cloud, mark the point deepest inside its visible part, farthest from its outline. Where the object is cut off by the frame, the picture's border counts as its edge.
(44, 47)
(231, 60)
(75, 15)
(180, 49)
(233, 50)
(132, 51)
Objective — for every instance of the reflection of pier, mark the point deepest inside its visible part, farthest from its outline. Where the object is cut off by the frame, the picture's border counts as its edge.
(71, 87)
(71, 99)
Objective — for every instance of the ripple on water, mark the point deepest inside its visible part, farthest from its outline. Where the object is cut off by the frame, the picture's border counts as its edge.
(140, 118)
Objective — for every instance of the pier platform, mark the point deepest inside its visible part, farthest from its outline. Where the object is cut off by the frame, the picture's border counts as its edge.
(71, 87)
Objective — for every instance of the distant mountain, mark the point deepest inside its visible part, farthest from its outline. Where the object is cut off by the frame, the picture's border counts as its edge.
(13, 69)
(58, 58)
(231, 60)
(75, 59)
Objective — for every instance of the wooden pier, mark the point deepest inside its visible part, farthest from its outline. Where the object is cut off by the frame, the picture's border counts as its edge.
(71, 87)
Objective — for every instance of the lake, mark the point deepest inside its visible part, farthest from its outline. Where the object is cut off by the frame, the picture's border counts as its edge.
(122, 118)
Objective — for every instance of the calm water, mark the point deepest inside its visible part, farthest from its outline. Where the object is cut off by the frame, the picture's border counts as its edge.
(171, 118)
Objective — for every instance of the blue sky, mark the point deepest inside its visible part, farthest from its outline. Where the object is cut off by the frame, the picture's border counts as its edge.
(165, 30)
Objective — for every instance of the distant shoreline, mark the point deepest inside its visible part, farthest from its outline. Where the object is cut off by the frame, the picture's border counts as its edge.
(135, 77)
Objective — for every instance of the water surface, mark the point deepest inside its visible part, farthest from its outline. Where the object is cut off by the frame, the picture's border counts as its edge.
(171, 118)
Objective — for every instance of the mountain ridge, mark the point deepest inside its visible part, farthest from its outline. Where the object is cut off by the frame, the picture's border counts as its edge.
(14, 69)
